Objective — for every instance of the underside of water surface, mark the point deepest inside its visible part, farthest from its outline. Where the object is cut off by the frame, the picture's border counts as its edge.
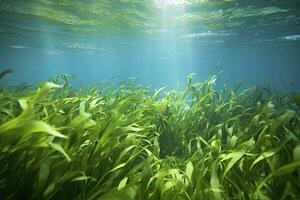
(149, 99)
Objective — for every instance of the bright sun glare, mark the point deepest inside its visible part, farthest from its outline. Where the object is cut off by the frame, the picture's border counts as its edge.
(169, 3)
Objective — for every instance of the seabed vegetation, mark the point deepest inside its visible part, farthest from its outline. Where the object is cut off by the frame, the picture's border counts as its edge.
(59, 142)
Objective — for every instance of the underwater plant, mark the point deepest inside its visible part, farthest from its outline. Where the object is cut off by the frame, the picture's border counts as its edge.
(5, 72)
(58, 142)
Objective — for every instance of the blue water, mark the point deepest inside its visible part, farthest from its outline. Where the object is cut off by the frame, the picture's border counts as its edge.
(259, 44)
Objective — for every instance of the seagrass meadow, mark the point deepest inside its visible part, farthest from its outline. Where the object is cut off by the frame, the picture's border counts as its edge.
(149, 100)
(129, 142)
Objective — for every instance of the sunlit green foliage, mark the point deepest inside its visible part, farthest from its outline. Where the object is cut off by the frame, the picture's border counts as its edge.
(57, 142)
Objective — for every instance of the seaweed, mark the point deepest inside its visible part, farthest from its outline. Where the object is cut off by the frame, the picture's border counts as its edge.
(5, 72)
(58, 142)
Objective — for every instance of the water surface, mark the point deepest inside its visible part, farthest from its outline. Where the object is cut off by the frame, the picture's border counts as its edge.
(254, 41)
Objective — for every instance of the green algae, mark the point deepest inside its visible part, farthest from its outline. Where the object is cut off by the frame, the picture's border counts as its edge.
(58, 142)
